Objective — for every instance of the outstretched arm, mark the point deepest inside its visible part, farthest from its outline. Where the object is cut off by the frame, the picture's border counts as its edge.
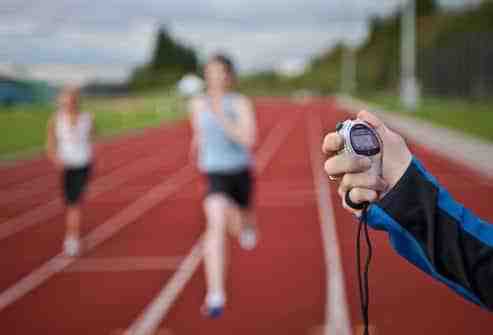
(437, 234)
(425, 224)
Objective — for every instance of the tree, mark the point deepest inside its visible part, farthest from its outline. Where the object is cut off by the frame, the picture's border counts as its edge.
(169, 62)
(426, 7)
(169, 53)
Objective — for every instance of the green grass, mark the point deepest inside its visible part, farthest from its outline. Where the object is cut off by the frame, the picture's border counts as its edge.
(23, 127)
(472, 117)
(120, 114)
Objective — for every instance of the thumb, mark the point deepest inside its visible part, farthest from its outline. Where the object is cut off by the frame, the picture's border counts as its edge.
(374, 121)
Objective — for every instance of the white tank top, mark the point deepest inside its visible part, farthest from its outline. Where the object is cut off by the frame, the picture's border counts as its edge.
(73, 142)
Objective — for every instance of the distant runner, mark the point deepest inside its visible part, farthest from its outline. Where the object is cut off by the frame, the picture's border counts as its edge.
(224, 133)
(68, 146)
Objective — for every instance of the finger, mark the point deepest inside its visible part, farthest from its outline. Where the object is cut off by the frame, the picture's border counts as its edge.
(353, 211)
(361, 195)
(341, 192)
(346, 163)
(332, 143)
(363, 180)
(373, 120)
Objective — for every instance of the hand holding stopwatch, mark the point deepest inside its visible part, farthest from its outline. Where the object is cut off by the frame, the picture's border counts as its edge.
(361, 139)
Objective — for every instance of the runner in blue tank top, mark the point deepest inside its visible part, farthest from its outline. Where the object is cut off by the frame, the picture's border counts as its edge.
(224, 132)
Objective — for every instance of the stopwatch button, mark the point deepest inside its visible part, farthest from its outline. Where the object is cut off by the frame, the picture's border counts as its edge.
(339, 125)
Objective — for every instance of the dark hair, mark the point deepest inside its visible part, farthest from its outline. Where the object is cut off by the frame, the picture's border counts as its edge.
(226, 62)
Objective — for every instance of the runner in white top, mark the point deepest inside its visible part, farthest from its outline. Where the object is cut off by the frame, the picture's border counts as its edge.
(69, 147)
(74, 147)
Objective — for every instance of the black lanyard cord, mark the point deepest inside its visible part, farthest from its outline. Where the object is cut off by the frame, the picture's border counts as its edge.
(363, 276)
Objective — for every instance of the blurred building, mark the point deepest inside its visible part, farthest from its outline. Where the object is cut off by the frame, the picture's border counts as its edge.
(15, 91)
(105, 89)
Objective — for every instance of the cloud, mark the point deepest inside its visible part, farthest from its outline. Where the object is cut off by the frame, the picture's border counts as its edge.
(258, 49)
(258, 33)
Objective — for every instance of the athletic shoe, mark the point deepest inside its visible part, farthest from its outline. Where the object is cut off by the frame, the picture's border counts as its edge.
(248, 237)
(71, 247)
(212, 312)
(213, 307)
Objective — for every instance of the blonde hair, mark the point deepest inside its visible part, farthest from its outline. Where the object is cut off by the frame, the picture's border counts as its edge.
(70, 91)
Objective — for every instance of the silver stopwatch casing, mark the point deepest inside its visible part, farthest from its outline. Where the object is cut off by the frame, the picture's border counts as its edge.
(361, 139)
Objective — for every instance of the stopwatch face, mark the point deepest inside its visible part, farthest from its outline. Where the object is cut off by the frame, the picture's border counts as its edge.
(364, 140)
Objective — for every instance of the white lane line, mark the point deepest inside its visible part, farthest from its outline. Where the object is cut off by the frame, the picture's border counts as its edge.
(47, 211)
(286, 184)
(273, 141)
(53, 208)
(123, 264)
(306, 201)
(286, 198)
(278, 195)
(98, 235)
(27, 188)
(288, 193)
(149, 320)
(103, 147)
(299, 199)
(37, 184)
(336, 310)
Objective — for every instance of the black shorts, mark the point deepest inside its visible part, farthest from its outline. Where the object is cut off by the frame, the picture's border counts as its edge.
(74, 183)
(238, 186)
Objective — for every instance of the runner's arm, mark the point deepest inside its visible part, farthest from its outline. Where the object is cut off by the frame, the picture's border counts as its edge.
(193, 107)
(243, 129)
(51, 144)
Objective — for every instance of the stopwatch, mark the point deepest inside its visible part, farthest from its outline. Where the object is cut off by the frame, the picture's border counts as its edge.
(361, 139)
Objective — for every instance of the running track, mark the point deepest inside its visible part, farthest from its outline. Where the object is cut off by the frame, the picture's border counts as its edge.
(142, 273)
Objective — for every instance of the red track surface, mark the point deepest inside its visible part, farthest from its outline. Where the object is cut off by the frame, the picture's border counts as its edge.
(277, 289)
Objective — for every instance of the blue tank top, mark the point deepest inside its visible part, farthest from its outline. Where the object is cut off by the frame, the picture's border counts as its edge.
(218, 153)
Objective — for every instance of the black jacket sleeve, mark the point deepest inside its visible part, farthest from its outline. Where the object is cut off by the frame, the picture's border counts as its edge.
(437, 234)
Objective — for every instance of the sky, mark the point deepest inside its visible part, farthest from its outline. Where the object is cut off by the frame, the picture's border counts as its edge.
(83, 40)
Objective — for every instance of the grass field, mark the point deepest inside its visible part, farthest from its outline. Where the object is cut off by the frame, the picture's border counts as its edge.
(23, 127)
(472, 117)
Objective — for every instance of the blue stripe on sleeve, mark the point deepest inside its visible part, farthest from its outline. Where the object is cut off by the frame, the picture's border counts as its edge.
(465, 219)
(405, 244)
